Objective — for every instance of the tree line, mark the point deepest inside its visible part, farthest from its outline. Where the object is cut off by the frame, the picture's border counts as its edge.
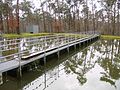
(61, 16)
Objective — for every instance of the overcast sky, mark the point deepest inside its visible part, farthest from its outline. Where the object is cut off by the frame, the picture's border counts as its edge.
(37, 3)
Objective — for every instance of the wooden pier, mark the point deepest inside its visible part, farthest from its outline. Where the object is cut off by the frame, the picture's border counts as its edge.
(19, 59)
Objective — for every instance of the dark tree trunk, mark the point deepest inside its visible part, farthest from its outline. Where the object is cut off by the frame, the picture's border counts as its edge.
(118, 23)
(1, 18)
(17, 16)
(114, 29)
(44, 22)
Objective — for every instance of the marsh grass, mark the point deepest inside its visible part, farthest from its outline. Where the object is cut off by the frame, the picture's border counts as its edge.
(110, 37)
(22, 35)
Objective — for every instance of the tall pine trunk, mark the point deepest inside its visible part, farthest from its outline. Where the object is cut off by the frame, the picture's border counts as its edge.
(1, 18)
(17, 17)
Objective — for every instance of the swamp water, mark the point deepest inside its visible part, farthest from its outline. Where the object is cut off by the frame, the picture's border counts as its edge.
(96, 67)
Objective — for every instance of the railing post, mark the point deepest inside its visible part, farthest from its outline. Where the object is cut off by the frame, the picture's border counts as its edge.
(68, 45)
(44, 51)
(75, 44)
(44, 41)
(0, 50)
(1, 38)
(58, 40)
(19, 74)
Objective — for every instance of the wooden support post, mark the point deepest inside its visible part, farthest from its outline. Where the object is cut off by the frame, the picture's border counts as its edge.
(90, 40)
(30, 67)
(19, 73)
(87, 42)
(35, 64)
(44, 59)
(68, 50)
(79, 45)
(4, 75)
(1, 79)
(75, 44)
(58, 54)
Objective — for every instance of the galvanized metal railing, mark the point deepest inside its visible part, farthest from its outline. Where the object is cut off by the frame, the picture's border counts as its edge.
(20, 48)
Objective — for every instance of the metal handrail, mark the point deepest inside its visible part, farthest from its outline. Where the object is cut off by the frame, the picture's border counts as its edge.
(45, 44)
(30, 40)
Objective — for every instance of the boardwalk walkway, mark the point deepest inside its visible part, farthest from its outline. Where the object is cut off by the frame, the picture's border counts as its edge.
(31, 49)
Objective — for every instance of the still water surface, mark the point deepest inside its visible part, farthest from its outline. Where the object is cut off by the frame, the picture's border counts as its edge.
(96, 67)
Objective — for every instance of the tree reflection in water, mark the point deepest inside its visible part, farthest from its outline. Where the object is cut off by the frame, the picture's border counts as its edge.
(110, 62)
(80, 64)
(108, 58)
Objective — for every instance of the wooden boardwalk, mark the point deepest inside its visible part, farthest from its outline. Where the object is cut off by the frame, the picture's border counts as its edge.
(16, 63)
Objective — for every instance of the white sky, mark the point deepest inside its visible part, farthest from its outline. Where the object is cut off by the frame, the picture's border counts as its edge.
(37, 3)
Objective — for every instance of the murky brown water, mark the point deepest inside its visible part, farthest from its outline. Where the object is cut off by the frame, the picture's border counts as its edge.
(96, 67)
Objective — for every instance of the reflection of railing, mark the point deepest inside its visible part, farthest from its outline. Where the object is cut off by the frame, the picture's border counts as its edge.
(50, 76)
(45, 80)
(27, 47)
